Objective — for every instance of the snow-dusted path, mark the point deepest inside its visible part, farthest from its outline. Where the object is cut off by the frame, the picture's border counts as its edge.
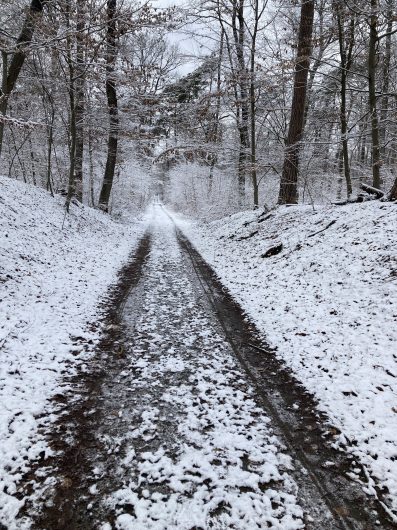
(200, 453)
(178, 436)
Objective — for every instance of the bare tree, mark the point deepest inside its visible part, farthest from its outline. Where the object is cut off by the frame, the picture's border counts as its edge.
(80, 72)
(111, 95)
(346, 45)
(372, 53)
(288, 193)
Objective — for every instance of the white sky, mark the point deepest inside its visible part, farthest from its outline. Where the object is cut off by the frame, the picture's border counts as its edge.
(188, 46)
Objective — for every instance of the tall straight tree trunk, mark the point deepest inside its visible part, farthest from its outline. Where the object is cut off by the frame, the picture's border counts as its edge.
(288, 193)
(386, 80)
(3, 97)
(72, 119)
(254, 175)
(111, 95)
(50, 143)
(91, 200)
(79, 100)
(373, 40)
(238, 26)
(11, 72)
(346, 51)
(215, 134)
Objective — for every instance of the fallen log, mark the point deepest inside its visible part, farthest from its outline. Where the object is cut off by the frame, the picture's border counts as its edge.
(372, 191)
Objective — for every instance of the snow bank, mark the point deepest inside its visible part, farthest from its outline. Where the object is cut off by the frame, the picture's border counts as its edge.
(328, 303)
(53, 272)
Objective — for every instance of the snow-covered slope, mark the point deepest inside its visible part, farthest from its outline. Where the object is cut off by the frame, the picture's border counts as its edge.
(328, 303)
(54, 270)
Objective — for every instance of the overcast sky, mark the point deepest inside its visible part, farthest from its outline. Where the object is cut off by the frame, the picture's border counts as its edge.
(189, 47)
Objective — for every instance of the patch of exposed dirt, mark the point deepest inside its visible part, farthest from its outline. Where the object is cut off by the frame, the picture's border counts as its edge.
(75, 433)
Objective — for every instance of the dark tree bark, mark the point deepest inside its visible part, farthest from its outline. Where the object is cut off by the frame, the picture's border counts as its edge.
(77, 102)
(11, 72)
(386, 79)
(111, 95)
(346, 44)
(72, 120)
(288, 193)
(50, 143)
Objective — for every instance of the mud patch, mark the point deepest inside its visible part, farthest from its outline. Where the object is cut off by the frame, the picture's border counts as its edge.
(65, 479)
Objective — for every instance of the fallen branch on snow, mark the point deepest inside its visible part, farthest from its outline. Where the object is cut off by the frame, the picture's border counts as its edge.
(322, 230)
(249, 235)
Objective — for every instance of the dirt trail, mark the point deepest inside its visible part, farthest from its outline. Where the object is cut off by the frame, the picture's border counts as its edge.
(186, 420)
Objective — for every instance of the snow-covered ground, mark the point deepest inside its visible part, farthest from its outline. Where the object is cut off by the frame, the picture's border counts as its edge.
(328, 303)
(202, 454)
(54, 271)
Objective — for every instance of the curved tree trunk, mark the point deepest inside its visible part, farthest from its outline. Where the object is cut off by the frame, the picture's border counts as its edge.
(288, 193)
(11, 72)
(111, 95)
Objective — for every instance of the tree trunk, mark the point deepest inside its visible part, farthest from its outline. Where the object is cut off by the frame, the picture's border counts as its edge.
(111, 95)
(386, 80)
(79, 100)
(254, 175)
(11, 74)
(215, 126)
(50, 142)
(345, 65)
(393, 192)
(3, 98)
(242, 77)
(373, 39)
(288, 193)
(91, 196)
(72, 122)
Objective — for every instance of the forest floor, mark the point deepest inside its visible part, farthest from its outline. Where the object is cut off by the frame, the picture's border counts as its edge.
(164, 407)
(185, 419)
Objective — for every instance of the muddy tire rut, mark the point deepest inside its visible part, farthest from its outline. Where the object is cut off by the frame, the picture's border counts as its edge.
(179, 368)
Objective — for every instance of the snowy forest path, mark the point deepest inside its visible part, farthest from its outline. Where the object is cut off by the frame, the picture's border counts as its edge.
(186, 419)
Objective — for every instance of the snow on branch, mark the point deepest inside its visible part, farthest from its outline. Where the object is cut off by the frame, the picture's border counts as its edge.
(21, 124)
